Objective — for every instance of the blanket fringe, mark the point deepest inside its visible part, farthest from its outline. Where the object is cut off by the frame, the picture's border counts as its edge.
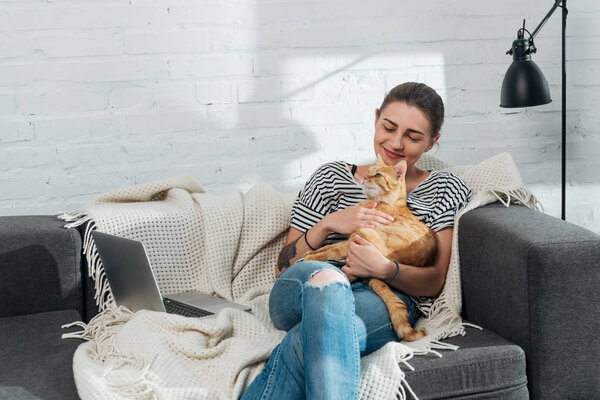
(445, 320)
(75, 217)
(401, 394)
(441, 323)
(403, 355)
(520, 195)
(100, 332)
(102, 294)
(98, 327)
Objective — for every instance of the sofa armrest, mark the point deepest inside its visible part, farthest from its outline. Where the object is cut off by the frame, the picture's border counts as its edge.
(40, 266)
(535, 280)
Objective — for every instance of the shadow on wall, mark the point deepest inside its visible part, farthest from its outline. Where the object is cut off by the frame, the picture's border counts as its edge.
(327, 68)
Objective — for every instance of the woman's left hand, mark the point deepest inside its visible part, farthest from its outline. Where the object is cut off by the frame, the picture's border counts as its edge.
(364, 260)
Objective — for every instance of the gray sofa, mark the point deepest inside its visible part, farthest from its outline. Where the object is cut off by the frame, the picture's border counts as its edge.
(530, 280)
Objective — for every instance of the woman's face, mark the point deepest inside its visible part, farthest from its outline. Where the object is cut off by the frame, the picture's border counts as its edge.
(402, 132)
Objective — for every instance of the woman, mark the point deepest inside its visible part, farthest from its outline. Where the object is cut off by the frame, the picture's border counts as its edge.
(330, 322)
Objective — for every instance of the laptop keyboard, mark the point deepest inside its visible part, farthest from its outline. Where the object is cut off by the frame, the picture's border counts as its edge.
(179, 308)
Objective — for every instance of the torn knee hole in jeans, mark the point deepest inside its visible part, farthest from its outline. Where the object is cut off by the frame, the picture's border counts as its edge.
(326, 277)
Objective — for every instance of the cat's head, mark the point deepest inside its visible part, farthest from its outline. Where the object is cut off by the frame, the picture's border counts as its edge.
(386, 183)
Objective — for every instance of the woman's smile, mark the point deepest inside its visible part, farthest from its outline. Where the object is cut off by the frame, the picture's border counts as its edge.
(393, 155)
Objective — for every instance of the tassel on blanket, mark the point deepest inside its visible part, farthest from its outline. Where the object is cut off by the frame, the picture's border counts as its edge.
(136, 383)
(102, 294)
(98, 327)
(388, 359)
(76, 218)
(520, 195)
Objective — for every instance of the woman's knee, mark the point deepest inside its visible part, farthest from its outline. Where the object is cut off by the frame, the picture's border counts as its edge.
(326, 277)
(285, 299)
(303, 271)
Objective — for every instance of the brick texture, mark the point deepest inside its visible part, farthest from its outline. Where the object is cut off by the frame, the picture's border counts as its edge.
(96, 96)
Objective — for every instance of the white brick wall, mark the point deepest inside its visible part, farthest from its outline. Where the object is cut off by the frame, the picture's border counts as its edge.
(100, 95)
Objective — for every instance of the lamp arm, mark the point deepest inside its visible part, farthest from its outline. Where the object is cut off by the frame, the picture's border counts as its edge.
(546, 18)
(557, 3)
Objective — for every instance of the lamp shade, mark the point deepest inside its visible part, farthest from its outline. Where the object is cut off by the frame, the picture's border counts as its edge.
(524, 84)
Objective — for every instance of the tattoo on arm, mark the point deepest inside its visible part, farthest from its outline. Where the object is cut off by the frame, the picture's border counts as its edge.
(287, 253)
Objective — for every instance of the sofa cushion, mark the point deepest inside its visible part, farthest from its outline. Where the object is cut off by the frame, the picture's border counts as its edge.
(40, 266)
(486, 366)
(36, 362)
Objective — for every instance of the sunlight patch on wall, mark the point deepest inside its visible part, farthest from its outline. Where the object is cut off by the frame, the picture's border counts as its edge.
(333, 96)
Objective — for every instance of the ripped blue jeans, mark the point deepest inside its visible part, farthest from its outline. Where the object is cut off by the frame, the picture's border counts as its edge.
(330, 325)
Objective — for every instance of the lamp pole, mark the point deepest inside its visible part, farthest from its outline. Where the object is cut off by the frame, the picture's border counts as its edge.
(564, 112)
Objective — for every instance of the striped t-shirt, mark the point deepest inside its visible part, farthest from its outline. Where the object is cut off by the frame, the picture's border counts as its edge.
(332, 188)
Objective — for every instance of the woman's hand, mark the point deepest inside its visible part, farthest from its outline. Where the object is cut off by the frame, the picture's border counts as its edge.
(364, 260)
(351, 218)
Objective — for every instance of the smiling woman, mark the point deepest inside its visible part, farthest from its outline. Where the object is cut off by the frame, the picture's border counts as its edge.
(330, 321)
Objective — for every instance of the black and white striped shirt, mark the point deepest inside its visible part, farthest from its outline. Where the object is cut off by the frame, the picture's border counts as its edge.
(332, 188)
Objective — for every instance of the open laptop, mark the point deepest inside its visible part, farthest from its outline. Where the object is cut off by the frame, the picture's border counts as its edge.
(134, 286)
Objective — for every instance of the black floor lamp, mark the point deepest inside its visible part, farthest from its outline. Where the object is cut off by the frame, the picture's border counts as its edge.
(524, 84)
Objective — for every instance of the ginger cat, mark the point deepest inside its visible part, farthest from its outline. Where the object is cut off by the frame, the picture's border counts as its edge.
(406, 240)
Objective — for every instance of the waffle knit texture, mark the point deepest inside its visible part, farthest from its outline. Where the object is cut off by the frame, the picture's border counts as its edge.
(227, 245)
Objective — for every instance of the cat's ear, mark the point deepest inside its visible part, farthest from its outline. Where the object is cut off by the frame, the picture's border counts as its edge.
(379, 159)
(401, 169)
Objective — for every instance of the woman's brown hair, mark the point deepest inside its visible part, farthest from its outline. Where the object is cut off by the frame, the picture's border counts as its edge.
(421, 96)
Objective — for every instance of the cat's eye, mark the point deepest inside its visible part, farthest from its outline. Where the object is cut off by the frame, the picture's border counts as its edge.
(378, 175)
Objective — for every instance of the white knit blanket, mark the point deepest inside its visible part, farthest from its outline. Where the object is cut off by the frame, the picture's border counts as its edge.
(228, 245)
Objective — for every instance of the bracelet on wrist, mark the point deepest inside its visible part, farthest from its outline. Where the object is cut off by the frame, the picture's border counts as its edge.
(395, 275)
(306, 241)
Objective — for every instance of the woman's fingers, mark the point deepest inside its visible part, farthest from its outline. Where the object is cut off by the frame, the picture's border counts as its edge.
(370, 212)
(384, 220)
(381, 218)
(371, 218)
(379, 213)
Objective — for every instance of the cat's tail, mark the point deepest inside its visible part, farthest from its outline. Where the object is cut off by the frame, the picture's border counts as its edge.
(398, 312)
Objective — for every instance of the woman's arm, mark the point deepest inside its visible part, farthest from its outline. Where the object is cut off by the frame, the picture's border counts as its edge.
(425, 281)
(365, 260)
(295, 245)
